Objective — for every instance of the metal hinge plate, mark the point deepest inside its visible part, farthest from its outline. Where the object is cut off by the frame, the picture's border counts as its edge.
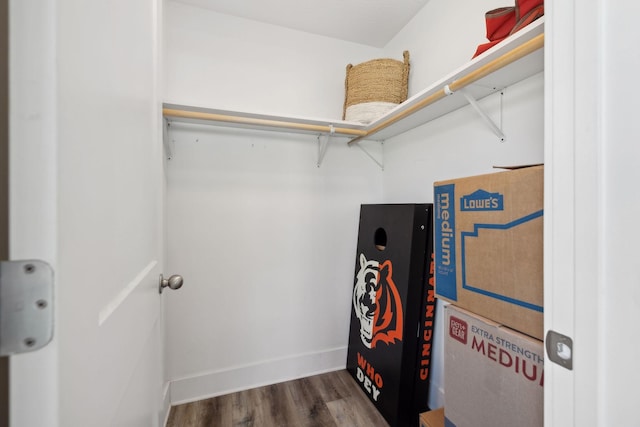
(26, 306)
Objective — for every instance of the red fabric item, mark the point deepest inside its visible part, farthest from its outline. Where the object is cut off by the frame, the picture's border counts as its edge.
(500, 22)
(486, 46)
(504, 21)
(524, 7)
(526, 19)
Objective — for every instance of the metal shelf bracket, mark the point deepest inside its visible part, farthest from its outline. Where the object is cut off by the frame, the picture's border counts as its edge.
(371, 156)
(322, 146)
(165, 139)
(476, 106)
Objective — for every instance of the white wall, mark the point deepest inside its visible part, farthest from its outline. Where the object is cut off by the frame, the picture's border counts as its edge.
(265, 241)
(245, 208)
(264, 238)
(460, 144)
(220, 61)
(591, 274)
(441, 38)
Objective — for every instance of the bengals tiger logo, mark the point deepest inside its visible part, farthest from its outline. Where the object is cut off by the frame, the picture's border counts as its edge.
(377, 303)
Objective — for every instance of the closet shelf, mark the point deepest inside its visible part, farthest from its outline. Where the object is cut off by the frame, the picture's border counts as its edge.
(515, 59)
(518, 57)
(201, 115)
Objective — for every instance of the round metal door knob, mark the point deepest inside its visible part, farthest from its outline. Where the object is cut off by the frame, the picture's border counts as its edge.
(173, 282)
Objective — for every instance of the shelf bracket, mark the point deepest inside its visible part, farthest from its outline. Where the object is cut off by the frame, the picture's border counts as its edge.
(494, 128)
(322, 146)
(165, 139)
(364, 150)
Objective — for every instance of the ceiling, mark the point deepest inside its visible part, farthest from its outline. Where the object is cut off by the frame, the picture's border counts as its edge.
(370, 22)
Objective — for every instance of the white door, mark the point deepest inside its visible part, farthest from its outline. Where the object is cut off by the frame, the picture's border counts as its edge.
(86, 169)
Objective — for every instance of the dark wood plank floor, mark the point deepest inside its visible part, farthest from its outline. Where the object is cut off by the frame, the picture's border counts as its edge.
(332, 399)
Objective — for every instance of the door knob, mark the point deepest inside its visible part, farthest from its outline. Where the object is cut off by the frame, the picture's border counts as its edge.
(173, 282)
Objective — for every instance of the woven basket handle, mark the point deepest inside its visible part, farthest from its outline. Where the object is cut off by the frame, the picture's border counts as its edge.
(346, 91)
(405, 76)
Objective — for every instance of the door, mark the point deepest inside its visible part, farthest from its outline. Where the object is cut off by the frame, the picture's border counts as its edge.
(86, 194)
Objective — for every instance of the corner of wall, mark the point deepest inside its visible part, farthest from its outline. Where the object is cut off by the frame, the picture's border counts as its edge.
(166, 404)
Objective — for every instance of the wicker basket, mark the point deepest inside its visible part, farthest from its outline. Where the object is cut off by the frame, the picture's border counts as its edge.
(374, 87)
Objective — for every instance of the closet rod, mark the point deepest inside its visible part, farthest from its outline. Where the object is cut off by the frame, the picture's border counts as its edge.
(490, 67)
(170, 112)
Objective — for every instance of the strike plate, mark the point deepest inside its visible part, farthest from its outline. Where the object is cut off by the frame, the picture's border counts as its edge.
(26, 306)
(560, 349)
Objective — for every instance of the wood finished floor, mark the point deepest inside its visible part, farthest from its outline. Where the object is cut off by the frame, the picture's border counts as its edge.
(332, 399)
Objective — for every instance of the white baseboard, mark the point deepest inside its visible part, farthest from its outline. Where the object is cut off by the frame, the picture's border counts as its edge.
(166, 404)
(238, 378)
(436, 397)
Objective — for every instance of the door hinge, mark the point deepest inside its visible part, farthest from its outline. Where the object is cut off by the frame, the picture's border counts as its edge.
(26, 306)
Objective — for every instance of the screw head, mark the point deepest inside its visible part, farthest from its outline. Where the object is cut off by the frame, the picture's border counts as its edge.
(29, 342)
(29, 268)
(41, 304)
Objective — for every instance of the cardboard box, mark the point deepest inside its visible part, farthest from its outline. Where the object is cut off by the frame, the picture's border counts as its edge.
(433, 418)
(493, 376)
(488, 246)
(393, 303)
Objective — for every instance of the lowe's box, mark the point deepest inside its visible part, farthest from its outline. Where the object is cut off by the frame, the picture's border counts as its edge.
(493, 376)
(488, 246)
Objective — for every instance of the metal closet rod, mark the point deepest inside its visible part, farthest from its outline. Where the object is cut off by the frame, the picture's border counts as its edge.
(498, 63)
(490, 67)
(169, 112)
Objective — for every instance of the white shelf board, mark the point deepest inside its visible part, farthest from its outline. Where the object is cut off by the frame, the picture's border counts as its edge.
(517, 71)
(271, 121)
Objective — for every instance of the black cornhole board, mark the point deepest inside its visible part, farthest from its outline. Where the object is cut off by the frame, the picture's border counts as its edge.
(394, 261)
